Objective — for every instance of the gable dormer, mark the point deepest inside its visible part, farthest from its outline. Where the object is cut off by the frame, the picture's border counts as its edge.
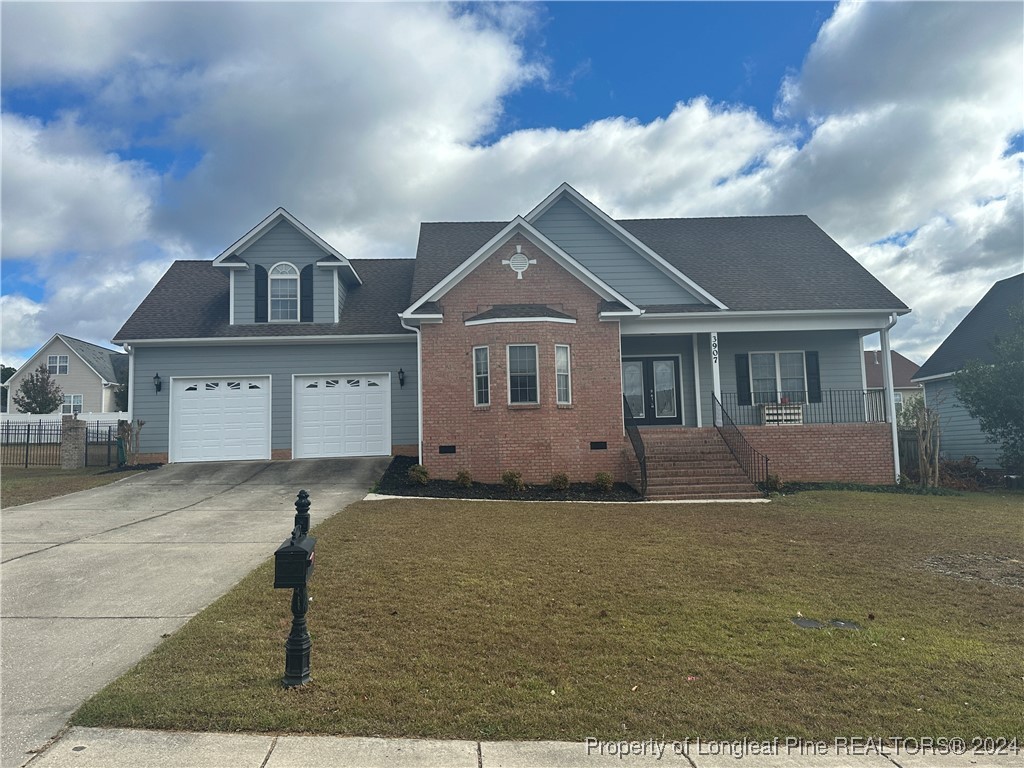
(283, 272)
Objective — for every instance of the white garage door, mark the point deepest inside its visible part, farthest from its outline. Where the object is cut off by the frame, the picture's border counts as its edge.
(223, 418)
(342, 415)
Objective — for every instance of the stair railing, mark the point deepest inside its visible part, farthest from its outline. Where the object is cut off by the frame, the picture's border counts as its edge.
(638, 444)
(753, 462)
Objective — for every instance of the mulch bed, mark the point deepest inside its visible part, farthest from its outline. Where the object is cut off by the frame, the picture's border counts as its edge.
(396, 482)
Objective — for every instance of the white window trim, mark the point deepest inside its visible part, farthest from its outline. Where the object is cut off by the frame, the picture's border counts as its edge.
(270, 291)
(71, 405)
(476, 390)
(57, 364)
(508, 371)
(567, 374)
(778, 372)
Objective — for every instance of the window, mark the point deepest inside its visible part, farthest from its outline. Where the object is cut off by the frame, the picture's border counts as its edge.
(563, 375)
(777, 377)
(522, 374)
(284, 292)
(481, 376)
(72, 403)
(897, 398)
(57, 364)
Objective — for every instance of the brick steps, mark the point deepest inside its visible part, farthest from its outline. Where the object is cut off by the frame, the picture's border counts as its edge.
(693, 465)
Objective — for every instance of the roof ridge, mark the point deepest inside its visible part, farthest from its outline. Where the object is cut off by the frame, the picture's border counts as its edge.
(720, 218)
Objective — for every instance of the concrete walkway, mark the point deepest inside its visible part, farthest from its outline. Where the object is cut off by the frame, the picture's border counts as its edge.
(116, 748)
(91, 582)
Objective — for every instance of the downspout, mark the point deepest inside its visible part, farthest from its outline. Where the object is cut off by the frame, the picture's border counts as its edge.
(131, 379)
(419, 388)
(890, 401)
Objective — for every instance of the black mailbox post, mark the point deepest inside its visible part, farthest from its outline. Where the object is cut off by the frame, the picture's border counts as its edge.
(293, 565)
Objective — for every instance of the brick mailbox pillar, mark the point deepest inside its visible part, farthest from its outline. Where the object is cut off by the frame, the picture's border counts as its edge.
(72, 443)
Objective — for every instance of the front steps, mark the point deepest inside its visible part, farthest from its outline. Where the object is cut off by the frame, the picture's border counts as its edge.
(693, 464)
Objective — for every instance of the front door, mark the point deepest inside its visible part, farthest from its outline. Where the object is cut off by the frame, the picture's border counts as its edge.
(651, 387)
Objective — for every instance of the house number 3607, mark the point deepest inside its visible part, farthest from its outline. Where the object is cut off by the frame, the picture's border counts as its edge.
(714, 348)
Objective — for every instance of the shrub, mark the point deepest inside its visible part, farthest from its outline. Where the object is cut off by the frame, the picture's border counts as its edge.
(603, 482)
(512, 480)
(773, 484)
(419, 474)
(463, 479)
(559, 482)
(962, 475)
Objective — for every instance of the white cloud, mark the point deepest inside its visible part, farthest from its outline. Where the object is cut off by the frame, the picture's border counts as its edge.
(21, 329)
(364, 120)
(63, 193)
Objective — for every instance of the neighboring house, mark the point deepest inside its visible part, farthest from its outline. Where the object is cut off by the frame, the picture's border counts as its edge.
(509, 345)
(903, 371)
(87, 374)
(970, 340)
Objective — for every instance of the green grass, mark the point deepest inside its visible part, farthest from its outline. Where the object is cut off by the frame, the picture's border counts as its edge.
(19, 485)
(545, 621)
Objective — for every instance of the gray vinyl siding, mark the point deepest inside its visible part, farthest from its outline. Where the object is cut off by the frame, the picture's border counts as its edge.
(961, 434)
(646, 346)
(280, 362)
(79, 380)
(589, 242)
(283, 243)
(839, 359)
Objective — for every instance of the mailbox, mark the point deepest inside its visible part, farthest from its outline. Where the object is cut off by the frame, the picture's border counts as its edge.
(293, 562)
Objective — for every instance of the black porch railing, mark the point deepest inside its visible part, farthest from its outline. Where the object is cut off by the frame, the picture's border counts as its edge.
(753, 462)
(638, 444)
(830, 406)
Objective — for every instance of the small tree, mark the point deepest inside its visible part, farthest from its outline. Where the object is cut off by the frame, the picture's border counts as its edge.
(907, 416)
(39, 393)
(991, 392)
(929, 435)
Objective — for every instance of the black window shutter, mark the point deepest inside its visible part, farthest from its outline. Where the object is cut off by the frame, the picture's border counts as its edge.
(742, 380)
(261, 294)
(306, 294)
(813, 377)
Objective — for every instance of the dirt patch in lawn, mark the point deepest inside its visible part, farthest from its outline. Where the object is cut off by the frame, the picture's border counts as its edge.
(995, 569)
(396, 482)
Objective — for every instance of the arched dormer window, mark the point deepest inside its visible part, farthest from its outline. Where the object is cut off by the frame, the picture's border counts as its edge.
(284, 292)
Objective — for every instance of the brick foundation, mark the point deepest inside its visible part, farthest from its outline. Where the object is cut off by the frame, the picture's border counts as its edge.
(281, 454)
(404, 450)
(151, 458)
(843, 453)
(535, 440)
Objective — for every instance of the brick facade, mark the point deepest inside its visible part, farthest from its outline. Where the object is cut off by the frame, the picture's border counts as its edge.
(535, 440)
(844, 453)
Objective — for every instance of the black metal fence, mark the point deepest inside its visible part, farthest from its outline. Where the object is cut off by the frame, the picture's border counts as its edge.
(638, 444)
(753, 462)
(100, 445)
(30, 444)
(834, 406)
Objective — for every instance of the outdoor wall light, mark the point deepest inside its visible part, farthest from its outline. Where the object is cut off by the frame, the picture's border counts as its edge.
(157, 383)
(401, 378)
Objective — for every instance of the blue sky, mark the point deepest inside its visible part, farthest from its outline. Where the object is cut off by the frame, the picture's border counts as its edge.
(170, 129)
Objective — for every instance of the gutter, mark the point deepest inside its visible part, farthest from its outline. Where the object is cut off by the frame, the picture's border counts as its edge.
(419, 387)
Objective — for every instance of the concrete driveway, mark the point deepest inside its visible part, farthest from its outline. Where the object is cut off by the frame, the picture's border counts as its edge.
(91, 581)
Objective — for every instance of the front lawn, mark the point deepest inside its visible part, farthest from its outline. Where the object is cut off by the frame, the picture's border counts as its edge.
(20, 485)
(500, 620)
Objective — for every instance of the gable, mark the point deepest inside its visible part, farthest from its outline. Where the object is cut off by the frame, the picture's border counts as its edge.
(609, 257)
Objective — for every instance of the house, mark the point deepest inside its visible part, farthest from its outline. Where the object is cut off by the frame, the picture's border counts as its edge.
(527, 345)
(903, 371)
(87, 374)
(970, 340)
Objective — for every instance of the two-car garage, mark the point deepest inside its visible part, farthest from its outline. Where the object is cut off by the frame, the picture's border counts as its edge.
(231, 418)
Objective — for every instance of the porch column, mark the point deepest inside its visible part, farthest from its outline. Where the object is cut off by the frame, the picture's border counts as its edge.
(716, 381)
(890, 401)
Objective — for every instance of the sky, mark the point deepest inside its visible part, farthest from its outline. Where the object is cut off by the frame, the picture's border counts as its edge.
(134, 134)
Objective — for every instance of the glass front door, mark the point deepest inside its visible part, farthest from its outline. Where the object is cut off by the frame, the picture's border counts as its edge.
(651, 387)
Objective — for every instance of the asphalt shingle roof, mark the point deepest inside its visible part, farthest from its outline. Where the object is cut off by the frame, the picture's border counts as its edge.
(902, 369)
(972, 339)
(106, 362)
(747, 262)
(191, 301)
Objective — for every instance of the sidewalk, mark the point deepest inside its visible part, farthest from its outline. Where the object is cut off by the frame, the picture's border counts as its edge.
(120, 748)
